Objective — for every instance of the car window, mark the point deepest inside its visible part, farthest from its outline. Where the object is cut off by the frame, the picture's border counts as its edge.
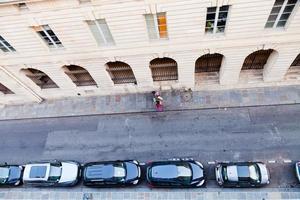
(4, 174)
(184, 173)
(224, 174)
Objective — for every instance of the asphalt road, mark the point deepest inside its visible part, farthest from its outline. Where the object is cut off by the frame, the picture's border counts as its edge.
(270, 134)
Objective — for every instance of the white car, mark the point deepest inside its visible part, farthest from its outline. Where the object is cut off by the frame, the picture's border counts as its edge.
(52, 173)
(298, 170)
(242, 174)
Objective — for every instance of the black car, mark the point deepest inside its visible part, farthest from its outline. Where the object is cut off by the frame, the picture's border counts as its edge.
(10, 175)
(180, 173)
(111, 173)
(242, 174)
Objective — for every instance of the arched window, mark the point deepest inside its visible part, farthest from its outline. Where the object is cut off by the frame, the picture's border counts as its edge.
(79, 75)
(5, 90)
(296, 61)
(120, 72)
(293, 72)
(257, 59)
(164, 69)
(209, 63)
(39, 78)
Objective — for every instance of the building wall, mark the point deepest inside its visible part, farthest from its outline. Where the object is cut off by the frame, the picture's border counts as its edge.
(244, 34)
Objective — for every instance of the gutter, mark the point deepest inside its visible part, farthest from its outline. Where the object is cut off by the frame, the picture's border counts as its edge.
(34, 94)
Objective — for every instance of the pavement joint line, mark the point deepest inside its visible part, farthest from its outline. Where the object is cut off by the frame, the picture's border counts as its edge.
(272, 161)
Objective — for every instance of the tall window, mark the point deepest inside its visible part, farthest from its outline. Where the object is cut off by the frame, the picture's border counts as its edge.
(209, 63)
(157, 26)
(5, 46)
(164, 69)
(40, 78)
(120, 72)
(257, 60)
(79, 75)
(101, 32)
(296, 61)
(48, 36)
(216, 18)
(280, 13)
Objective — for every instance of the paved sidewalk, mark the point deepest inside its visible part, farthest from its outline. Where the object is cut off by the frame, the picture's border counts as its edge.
(174, 100)
(158, 194)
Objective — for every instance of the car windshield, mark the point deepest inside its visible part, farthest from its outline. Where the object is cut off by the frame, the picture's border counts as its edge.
(184, 173)
(55, 173)
(119, 172)
(4, 174)
(253, 172)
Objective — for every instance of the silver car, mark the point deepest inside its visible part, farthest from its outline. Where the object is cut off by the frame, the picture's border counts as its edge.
(242, 174)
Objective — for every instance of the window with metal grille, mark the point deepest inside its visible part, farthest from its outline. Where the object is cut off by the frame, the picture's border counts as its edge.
(5, 46)
(46, 33)
(101, 32)
(5, 90)
(40, 78)
(280, 13)
(79, 75)
(209, 63)
(157, 26)
(257, 59)
(120, 72)
(164, 69)
(216, 18)
(296, 61)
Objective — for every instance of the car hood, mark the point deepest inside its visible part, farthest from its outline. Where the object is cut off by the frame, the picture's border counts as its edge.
(14, 173)
(132, 171)
(264, 173)
(69, 172)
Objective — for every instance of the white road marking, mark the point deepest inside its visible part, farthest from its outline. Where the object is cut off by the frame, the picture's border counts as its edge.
(271, 161)
(287, 161)
(211, 162)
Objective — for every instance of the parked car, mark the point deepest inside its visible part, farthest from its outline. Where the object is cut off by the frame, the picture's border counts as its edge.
(111, 173)
(298, 170)
(242, 174)
(178, 173)
(52, 173)
(10, 175)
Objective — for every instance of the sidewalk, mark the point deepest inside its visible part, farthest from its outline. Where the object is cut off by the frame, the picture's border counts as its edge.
(174, 100)
(159, 194)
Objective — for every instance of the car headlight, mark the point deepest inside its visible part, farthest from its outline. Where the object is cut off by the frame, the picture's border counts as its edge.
(198, 163)
(135, 162)
(135, 182)
(201, 183)
(17, 183)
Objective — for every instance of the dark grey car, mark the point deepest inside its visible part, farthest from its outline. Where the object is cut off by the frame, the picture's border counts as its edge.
(181, 173)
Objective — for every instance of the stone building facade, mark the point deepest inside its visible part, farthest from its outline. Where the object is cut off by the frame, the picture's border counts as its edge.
(62, 48)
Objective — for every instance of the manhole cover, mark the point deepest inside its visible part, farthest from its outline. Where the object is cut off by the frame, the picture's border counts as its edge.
(186, 96)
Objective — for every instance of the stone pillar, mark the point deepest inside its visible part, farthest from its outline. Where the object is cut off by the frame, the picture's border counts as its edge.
(141, 70)
(186, 68)
(278, 64)
(232, 64)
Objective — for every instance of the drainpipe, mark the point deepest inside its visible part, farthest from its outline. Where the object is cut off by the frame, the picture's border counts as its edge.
(34, 94)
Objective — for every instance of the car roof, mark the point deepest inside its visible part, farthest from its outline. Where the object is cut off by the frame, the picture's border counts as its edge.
(38, 172)
(99, 171)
